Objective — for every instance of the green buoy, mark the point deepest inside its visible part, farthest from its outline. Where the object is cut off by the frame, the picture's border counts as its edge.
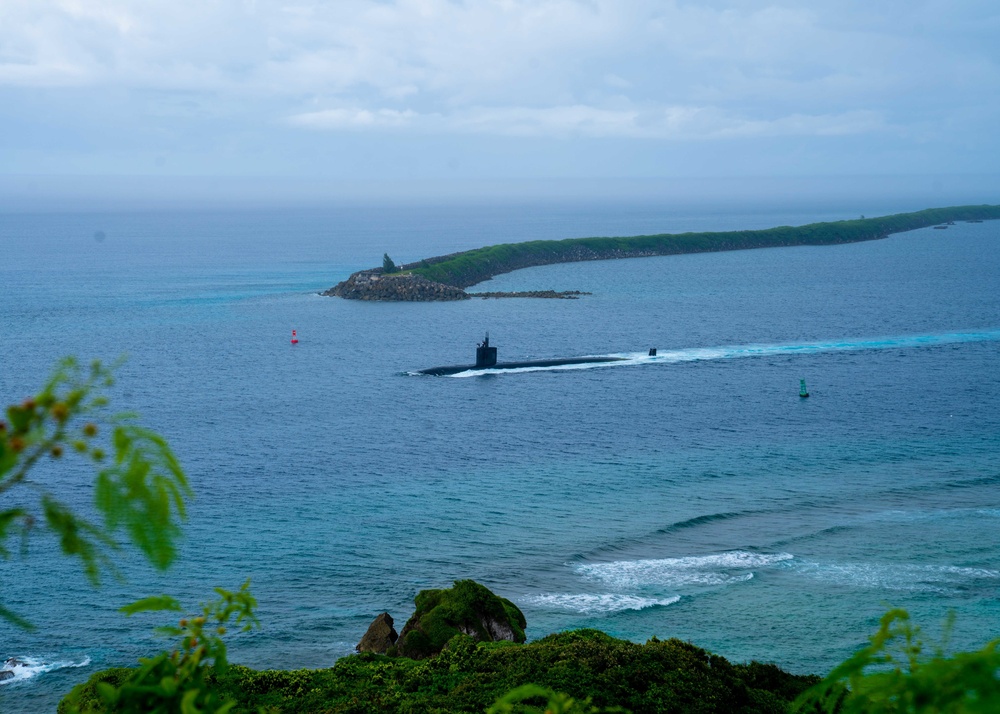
(803, 392)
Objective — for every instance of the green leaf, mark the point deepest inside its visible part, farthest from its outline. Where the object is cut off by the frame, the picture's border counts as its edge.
(15, 619)
(169, 631)
(72, 533)
(188, 705)
(154, 603)
(144, 491)
(7, 519)
(108, 693)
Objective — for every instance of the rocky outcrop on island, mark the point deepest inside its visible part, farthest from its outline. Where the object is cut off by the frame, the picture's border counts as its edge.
(381, 635)
(8, 666)
(377, 286)
(468, 608)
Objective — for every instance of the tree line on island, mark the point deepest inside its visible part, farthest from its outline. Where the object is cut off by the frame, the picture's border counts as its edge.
(446, 277)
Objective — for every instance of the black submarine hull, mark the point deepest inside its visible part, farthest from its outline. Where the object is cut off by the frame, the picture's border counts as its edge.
(455, 369)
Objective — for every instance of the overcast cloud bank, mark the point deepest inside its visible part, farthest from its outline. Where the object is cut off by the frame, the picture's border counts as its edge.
(502, 88)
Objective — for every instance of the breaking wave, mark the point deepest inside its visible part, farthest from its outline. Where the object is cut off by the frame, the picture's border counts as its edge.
(24, 668)
(606, 603)
(703, 570)
(899, 576)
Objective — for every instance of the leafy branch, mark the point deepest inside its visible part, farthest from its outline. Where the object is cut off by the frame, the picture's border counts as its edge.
(180, 680)
(140, 489)
(894, 675)
(518, 701)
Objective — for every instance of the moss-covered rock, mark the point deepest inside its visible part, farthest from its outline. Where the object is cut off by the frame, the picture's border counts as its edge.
(468, 608)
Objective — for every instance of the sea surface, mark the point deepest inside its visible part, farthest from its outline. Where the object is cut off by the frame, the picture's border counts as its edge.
(691, 495)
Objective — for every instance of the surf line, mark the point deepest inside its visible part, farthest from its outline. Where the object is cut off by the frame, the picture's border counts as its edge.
(695, 354)
(849, 345)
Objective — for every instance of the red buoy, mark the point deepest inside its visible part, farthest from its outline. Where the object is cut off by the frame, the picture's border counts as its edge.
(295, 340)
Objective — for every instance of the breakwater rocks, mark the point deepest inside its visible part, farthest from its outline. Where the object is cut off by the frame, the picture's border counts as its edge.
(377, 286)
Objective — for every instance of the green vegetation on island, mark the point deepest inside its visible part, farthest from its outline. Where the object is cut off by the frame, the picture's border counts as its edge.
(658, 676)
(474, 266)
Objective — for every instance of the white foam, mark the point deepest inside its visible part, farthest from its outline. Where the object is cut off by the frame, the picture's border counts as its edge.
(703, 570)
(698, 354)
(28, 667)
(599, 603)
(763, 350)
(896, 576)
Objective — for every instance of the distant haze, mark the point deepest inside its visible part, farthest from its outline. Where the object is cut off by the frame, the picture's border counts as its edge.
(420, 93)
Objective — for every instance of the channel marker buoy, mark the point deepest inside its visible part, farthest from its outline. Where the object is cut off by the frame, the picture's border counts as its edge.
(295, 340)
(803, 392)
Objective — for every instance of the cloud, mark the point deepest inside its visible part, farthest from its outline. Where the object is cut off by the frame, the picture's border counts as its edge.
(918, 71)
(354, 119)
(496, 51)
(573, 121)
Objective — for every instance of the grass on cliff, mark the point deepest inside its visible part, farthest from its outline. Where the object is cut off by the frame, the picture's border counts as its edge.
(473, 266)
(659, 676)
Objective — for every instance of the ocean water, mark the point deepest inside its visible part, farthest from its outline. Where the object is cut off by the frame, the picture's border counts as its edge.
(690, 495)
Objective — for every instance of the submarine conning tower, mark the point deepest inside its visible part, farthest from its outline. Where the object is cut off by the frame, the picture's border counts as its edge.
(486, 356)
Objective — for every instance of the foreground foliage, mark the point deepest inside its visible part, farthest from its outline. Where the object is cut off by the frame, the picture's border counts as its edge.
(176, 681)
(894, 675)
(519, 701)
(659, 676)
(140, 487)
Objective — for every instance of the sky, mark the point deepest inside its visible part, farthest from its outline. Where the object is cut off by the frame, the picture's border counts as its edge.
(495, 90)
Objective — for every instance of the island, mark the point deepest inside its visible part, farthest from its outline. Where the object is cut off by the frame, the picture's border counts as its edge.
(445, 277)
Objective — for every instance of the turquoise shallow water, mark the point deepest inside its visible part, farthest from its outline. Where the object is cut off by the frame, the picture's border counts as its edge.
(692, 495)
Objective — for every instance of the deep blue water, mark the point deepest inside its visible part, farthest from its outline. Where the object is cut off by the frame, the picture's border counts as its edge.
(693, 495)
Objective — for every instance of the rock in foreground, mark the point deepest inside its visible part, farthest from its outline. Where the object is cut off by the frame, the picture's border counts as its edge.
(380, 637)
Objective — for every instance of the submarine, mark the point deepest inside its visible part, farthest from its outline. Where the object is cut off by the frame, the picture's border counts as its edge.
(486, 358)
